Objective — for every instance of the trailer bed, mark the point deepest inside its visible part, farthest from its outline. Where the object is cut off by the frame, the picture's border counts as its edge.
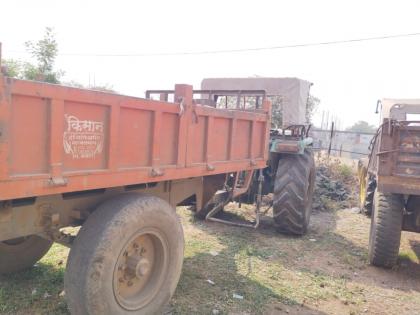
(399, 157)
(56, 139)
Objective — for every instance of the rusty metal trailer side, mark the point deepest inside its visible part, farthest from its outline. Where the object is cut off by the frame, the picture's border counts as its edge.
(395, 157)
(57, 139)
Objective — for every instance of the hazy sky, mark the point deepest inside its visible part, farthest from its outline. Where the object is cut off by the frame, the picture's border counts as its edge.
(348, 78)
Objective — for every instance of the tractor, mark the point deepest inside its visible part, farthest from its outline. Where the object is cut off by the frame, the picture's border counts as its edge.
(290, 173)
(389, 179)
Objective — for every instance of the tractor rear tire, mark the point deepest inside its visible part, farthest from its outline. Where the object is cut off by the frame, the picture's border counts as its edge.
(126, 259)
(293, 192)
(22, 253)
(385, 229)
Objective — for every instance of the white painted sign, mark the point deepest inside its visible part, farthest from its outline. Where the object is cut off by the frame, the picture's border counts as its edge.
(83, 139)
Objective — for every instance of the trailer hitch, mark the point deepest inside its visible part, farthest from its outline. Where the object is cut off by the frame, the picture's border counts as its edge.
(220, 205)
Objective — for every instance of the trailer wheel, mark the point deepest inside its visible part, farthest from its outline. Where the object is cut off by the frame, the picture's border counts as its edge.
(293, 192)
(127, 258)
(385, 229)
(21, 253)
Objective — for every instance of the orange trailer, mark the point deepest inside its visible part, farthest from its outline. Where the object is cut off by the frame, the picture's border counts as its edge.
(116, 166)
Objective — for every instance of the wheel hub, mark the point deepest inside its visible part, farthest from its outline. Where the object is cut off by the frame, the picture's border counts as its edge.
(135, 264)
(138, 266)
(139, 270)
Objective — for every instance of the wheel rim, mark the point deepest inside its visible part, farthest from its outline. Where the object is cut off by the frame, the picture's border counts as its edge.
(140, 269)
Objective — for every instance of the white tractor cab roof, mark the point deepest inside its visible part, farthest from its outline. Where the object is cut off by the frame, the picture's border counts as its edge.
(400, 109)
(294, 93)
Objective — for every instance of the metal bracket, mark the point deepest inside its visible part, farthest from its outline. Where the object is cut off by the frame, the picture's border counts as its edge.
(218, 207)
(155, 172)
(210, 167)
(61, 237)
(58, 181)
(388, 151)
(79, 214)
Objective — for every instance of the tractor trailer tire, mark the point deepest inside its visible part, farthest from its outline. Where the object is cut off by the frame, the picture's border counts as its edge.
(22, 253)
(293, 192)
(385, 229)
(126, 259)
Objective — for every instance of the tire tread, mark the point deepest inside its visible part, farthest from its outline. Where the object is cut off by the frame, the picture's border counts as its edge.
(290, 188)
(387, 222)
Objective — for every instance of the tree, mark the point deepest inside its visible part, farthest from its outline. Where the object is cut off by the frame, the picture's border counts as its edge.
(44, 51)
(12, 67)
(101, 88)
(311, 106)
(276, 111)
(362, 126)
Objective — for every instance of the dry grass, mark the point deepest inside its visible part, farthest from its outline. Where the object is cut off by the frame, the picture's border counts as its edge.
(324, 272)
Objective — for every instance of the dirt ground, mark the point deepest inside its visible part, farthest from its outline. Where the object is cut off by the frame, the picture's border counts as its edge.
(325, 272)
(234, 270)
(343, 254)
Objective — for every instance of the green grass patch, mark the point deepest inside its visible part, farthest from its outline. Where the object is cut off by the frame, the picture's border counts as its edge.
(36, 290)
(408, 255)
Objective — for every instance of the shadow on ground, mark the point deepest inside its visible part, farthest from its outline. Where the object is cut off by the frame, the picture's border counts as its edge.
(415, 246)
(221, 282)
(34, 289)
(236, 270)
